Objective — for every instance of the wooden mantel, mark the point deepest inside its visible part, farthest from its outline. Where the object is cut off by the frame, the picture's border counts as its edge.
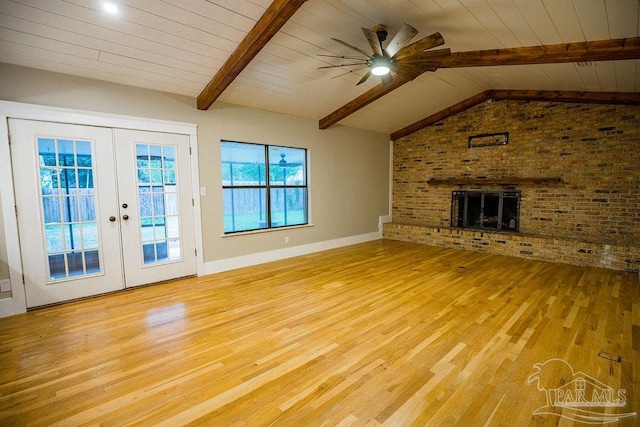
(497, 181)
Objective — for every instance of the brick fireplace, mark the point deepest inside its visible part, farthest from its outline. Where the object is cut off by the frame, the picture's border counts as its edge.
(576, 168)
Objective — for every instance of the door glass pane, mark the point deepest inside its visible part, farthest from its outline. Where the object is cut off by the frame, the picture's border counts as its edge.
(158, 203)
(70, 228)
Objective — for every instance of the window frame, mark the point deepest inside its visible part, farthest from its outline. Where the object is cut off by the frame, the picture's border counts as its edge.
(267, 187)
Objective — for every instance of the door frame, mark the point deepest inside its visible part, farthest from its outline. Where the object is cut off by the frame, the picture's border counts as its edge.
(17, 303)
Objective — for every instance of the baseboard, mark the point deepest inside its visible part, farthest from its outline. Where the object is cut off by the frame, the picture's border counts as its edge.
(276, 255)
(7, 308)
(382, 220)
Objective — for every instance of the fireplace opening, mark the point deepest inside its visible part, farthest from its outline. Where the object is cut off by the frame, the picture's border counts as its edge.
(486, 210)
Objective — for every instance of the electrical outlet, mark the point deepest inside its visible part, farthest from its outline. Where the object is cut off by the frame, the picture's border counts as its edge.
(5, 285)
(203, 191)
(286, 240)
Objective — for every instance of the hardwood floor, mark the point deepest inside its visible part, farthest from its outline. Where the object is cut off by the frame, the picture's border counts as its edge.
(382, 333)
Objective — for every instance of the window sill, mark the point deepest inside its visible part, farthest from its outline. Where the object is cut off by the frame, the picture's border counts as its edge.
(266, 230)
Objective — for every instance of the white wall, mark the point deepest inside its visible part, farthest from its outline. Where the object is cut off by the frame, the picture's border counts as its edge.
(349, 168)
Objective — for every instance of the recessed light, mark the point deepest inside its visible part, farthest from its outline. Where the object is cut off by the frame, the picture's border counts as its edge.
(111, 8)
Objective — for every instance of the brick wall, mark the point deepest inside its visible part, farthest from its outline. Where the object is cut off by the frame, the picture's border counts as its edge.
(594, 149)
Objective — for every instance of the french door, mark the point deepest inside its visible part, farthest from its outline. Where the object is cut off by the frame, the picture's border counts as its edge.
(100, 209)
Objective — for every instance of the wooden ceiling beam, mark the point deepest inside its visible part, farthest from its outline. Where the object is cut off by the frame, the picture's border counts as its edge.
(267, 26)
(601, 50)
(441, 115)
(626, 98)
(365, 99)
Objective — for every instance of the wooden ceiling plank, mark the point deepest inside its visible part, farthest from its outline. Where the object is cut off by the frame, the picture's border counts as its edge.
(129, 39)
(626, 98)
(85, 67)
(565, 20)
(169, 57)
(601, 50)
(267, 26)
(625, 72)
(623, 18)
(539, 20)
(591, 19)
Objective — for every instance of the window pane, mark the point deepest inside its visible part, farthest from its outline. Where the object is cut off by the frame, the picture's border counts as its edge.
(169, 176)
(49, 181)
(83, 151)
(173, 226)
(47, 151)
(92, 262)
(69, 209)
(157, 195)
(85, 178)
(288, 206)
(51, 209)
(244, 209)
(158, 204)
(168, 157)
(242, 164)
(65, 153)
(170, 201)
(54, 238)
(287, 166)
(57, 267)
(174, 249)
(90, 235)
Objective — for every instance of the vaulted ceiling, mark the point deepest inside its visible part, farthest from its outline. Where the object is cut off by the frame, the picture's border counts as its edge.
(264, 54)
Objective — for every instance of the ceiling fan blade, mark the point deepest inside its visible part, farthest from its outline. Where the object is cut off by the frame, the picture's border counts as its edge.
(342, 65)
(364, 78)
(353, 58)
(407, 71)
(372, 38)
(432, 55)
(402, 37)
(350, 71)
(420, 46)
(412, 71)
(357, 49)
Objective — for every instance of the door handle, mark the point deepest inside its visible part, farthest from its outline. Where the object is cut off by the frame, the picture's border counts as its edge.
(112, 218)
(125, 217)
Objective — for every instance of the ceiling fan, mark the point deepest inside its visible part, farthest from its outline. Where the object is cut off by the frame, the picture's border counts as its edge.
(399, 57)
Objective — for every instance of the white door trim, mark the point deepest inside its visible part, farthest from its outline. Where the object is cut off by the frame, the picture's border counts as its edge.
(17, 303)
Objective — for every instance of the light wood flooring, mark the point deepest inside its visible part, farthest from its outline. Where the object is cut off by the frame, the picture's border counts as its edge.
(381, 333)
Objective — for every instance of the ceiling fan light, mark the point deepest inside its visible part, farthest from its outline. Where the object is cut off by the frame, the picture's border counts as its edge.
(380, 66)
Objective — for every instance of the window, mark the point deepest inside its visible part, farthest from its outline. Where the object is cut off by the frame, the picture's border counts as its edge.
(263, 186)
(492, 210)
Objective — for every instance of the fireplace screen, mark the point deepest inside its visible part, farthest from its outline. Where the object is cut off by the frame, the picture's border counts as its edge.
(486, 210)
